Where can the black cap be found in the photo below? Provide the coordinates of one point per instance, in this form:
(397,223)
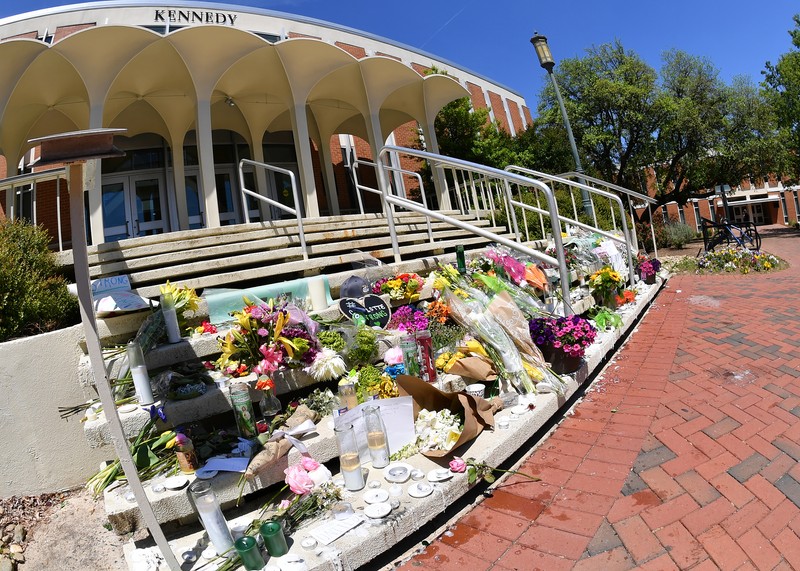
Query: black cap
(354,286)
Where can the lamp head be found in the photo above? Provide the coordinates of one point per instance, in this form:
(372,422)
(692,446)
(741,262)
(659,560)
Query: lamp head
(543,51)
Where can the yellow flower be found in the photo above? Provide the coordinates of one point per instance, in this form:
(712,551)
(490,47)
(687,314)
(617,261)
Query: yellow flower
(474,346)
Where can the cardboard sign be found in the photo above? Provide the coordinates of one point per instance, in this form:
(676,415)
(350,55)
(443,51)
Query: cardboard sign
(372,308)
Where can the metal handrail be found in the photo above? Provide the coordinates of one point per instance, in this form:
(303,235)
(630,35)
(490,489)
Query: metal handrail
(611,197)
(32,179)
(360,187)
(440,161)
(631,193)
(294,211)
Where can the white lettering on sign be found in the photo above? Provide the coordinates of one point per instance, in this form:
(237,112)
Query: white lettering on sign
(194,17)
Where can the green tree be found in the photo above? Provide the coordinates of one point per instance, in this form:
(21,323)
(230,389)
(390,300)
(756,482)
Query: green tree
(782,84)
(610,96)
(691,113)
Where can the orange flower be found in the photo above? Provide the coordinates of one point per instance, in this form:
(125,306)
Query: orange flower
(264,382)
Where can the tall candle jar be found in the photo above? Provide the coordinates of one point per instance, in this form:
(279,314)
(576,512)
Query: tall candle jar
(243,410)
(205,501)
(376,437)
(167,305)
(141,378)
(349,462)
(348,396)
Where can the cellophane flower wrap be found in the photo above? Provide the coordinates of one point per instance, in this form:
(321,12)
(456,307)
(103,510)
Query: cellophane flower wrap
(478,320)
(266,337)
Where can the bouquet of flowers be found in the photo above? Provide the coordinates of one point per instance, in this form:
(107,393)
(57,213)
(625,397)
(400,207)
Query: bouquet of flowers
(497,260)
(406,318)
(605,282)
(570,257)
(647,268)
(628,296)
(266,337)
(572,335)
(401,287)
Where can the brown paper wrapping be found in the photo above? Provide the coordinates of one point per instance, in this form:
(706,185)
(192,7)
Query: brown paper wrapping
(274,451)
(478,368)
(478,413)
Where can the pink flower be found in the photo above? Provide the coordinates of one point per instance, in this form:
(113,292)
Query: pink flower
(393,356)
(284,505)
(458,465)
(298,480)
(308,463)
(271,361)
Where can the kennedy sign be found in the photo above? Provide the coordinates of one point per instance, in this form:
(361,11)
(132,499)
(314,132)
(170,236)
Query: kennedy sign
(195,17)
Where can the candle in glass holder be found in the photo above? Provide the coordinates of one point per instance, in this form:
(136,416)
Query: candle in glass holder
(348,396)
(376,437)
(141,378)
(274,540)
(247,548)
(167,304)
(211,516)
(349,462)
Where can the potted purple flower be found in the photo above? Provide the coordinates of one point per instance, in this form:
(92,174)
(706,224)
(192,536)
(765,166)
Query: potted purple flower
(563,340)
(648,270)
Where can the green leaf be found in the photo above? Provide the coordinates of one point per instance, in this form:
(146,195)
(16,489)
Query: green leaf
(145,457)
(489,477)
(472,475)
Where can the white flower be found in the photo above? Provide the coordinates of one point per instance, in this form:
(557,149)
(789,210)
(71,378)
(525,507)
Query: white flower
(327,365)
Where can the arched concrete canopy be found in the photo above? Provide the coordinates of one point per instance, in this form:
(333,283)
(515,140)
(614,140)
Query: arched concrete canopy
(131,77)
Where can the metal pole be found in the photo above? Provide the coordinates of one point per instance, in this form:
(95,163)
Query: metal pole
(81,263)
(587,201)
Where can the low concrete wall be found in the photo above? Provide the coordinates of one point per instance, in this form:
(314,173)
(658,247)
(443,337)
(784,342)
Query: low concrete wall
(40,451)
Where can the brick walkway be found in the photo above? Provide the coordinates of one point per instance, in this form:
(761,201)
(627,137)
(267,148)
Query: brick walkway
(683,455)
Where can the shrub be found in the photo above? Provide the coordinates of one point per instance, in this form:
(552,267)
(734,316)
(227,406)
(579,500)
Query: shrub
(678,234)
(33,295)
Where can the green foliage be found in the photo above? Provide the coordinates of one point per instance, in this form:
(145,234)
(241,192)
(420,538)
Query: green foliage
(678,234)
(732,260)
(332,340)
(364,348)
(782,83)
(33,295)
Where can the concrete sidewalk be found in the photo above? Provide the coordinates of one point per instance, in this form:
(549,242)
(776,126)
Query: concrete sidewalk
(682,455)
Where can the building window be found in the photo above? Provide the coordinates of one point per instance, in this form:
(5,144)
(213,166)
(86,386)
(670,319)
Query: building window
(712,209)
(681,214)
(47,37)
(697,214)
(664,215)
(796,206)
(785,211)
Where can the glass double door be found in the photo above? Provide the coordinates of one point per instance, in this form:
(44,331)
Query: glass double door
(134,205)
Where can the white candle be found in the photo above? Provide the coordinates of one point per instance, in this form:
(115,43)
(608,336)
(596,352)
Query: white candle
(215,524)
(171,321)
(141,382)
(316,289)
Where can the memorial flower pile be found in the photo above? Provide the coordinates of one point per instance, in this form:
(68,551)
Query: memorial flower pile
(407,318)
(605,282)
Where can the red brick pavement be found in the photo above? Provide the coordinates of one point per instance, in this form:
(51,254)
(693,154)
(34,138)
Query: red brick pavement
(682,455)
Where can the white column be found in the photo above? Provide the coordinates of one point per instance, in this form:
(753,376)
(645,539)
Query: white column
(439,182)
(302,147)
(179,184)
(330,177)
(93,182)
(205,151)
(261,178)
(11,170)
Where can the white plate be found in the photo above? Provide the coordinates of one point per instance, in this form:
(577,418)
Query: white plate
(439,475)
(394,472)
(204,474)
(176,482)
(126,408)
(376,496)
(420,490)
(377,511)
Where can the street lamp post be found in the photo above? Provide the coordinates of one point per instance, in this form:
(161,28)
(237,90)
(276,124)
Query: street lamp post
(548,63)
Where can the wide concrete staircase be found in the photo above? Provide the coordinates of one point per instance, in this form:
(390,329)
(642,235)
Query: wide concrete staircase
(246,255)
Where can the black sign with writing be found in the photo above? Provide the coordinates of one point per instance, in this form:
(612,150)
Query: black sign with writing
(374,310)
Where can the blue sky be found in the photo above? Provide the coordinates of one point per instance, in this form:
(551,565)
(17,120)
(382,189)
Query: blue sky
(493,37)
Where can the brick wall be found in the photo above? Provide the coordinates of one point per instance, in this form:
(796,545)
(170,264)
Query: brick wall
(527,112)
(64,31)
(516,118)
(476,94)
(499,111)
(355,51)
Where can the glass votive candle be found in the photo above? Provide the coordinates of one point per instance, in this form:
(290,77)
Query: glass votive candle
(247,548)
(274,540)
(503,423)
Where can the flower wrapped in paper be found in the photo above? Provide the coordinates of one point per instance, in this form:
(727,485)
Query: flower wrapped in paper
(476,413)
